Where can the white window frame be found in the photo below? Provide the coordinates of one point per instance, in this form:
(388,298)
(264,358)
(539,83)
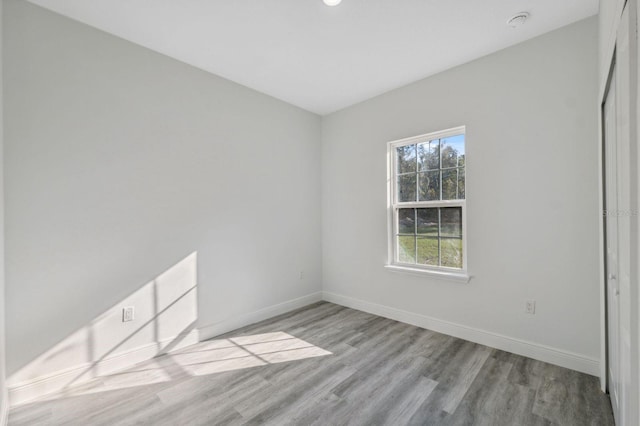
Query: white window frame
(393,207)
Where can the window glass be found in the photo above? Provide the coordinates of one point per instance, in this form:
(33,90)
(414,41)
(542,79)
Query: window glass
(430,174)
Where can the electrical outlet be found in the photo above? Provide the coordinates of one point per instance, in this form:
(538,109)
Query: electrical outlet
(128,314)
(530,307)
(301,275)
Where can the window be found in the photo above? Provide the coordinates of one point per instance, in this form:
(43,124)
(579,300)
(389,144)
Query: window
(427,202)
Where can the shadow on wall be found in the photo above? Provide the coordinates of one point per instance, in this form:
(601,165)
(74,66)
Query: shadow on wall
(166,313)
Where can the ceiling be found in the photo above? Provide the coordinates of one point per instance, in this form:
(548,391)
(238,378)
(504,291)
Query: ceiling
(317,57)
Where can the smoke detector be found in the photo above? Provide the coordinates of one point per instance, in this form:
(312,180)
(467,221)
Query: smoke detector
(518,19)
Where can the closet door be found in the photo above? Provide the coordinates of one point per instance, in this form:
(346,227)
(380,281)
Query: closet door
(617,163)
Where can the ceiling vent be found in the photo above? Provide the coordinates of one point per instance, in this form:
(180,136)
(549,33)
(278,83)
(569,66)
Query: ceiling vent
(518,19)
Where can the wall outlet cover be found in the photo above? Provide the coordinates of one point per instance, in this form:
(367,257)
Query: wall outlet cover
(128,314)
(530,307)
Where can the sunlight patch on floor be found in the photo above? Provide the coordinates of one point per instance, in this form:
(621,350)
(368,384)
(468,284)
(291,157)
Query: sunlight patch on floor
(201,359)
(245,351)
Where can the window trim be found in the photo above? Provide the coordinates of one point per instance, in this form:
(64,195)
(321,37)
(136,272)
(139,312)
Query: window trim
(393,265)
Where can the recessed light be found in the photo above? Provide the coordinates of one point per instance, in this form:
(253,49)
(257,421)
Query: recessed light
(332,2)
(518,19)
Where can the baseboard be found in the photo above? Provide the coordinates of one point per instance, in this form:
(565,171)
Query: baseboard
(22,392)
(227,325)
(537,351)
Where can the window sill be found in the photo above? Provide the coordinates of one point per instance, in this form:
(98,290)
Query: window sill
(445,275)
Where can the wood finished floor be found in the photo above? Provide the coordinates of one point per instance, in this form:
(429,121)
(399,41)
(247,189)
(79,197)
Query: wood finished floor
(330,365)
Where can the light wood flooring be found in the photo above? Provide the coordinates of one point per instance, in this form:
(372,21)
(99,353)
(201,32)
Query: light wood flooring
(330,365)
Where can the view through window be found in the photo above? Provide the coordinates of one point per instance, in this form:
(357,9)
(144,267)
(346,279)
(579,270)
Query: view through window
(427,199)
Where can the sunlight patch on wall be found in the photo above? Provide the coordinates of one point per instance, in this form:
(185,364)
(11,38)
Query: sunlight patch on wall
(166,313)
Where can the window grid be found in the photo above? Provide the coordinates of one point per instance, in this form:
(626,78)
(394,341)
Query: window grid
(417,235)
(422,169)
(418,173)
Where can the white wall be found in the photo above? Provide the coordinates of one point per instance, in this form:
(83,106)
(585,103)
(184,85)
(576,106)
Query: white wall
(3,388)
(532,188)
(120,163)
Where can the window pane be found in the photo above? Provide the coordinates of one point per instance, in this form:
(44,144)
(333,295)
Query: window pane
(461,181)
(452,151)
(407,188)
(451,184)
(451,252)
(428,251)
(406,158)
(429,155)
(461,160)
(451,222)
(407,221)
(407,249)
(429,186)
(428,222)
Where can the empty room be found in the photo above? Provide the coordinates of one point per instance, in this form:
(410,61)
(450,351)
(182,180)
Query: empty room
(319,212)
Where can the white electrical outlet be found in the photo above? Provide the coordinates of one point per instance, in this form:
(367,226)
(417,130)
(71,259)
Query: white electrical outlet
(128,314)
(530,307)
(301,275)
